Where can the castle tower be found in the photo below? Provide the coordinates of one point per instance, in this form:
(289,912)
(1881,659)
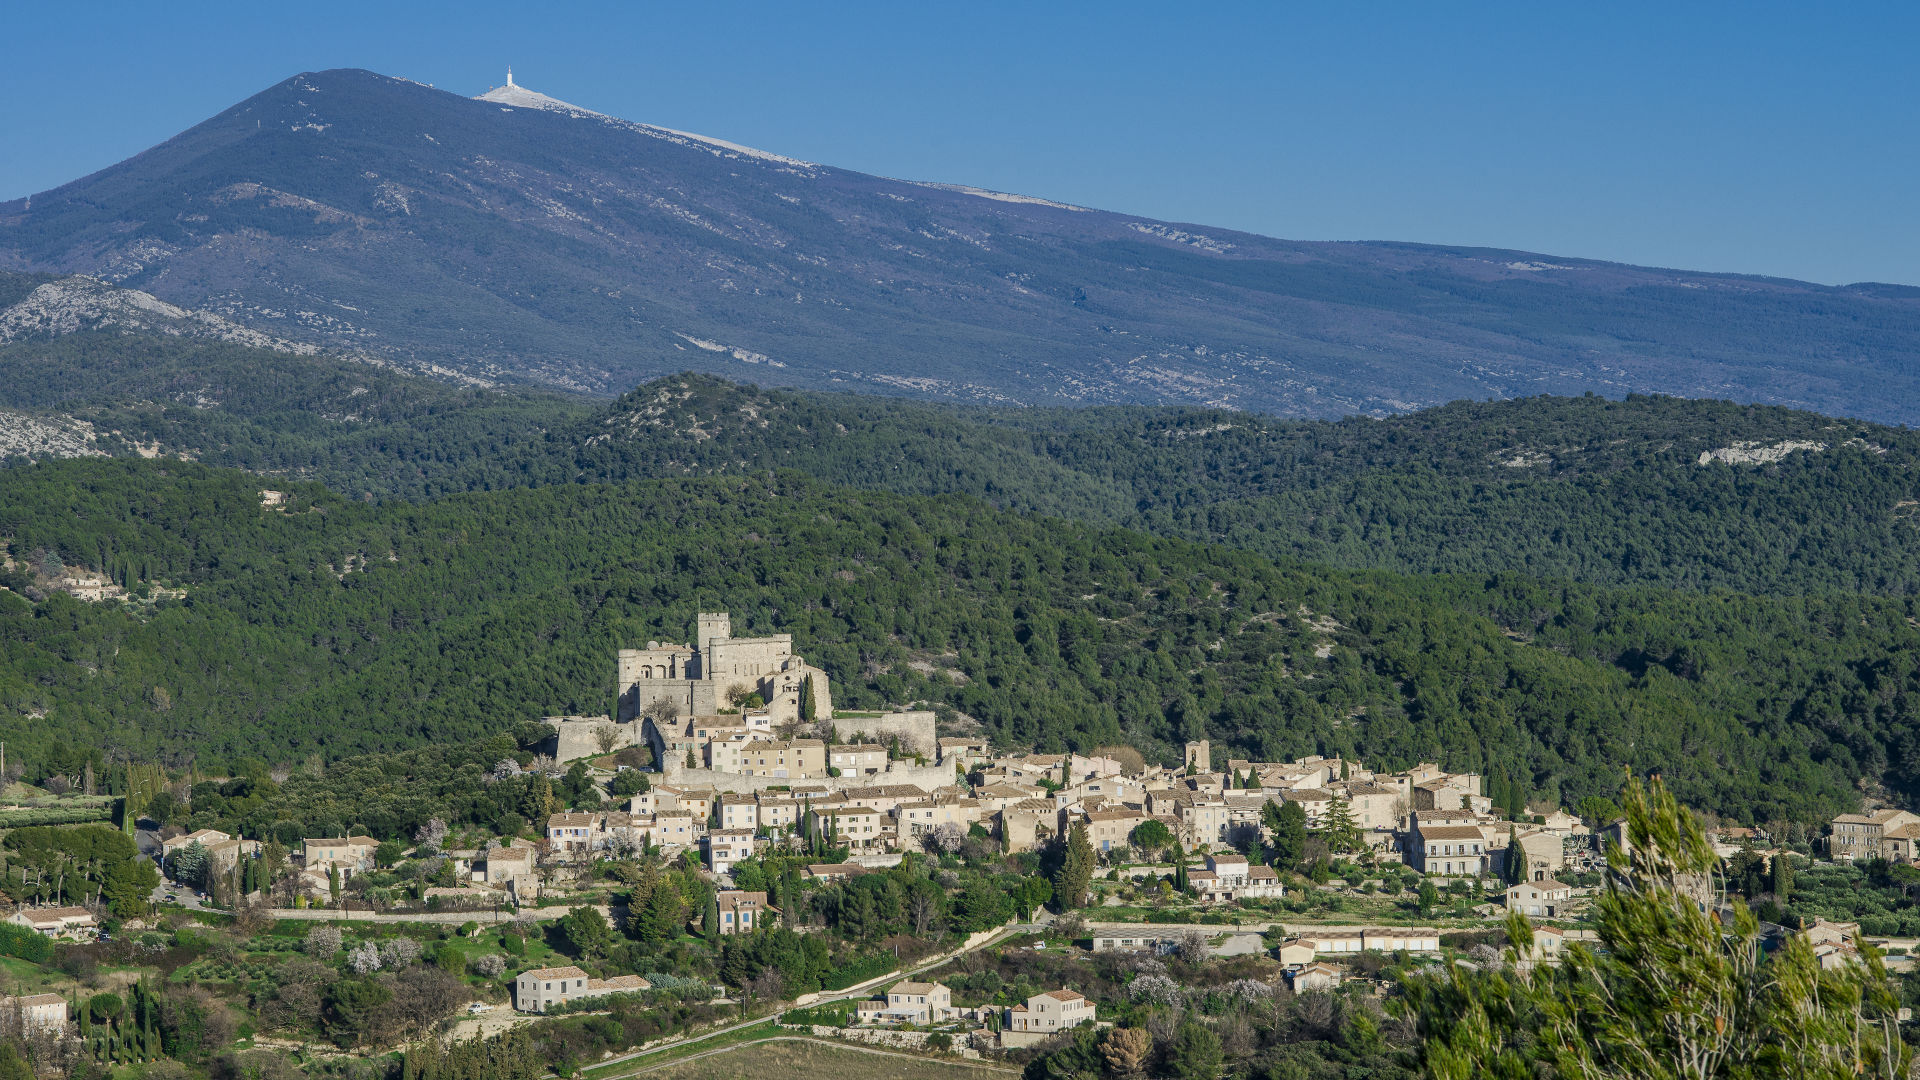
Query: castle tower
(710,626)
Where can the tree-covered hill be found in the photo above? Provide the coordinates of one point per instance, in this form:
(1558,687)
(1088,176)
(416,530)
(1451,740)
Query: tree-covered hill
(332,625)
(364,430)
(1585,489)
(1610,492)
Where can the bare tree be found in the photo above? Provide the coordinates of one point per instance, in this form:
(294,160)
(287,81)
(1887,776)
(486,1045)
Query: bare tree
(1193,947)
(921,909)
(606,737)
(433,832)
(945,838)
(661,711)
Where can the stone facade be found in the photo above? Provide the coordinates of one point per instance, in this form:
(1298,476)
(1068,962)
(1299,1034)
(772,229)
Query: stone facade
(703,678)
(913,727)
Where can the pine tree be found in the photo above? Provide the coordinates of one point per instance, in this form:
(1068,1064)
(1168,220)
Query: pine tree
(1338,828)
(1674,988)
(1287,822)
(806,700)
(1516,868)
(1782,877)
(710,920)
(1179,868)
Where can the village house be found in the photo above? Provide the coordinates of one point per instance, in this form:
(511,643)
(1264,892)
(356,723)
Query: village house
(918,819)
(1314,977)
(994,798)
(1229,877)
(1542,853)
(36,1013)
(1045,1015)
(1295,953)
(668,832)
(776,811)
(350,854)
(738,812)
(203,837)
(1374,806)
(907,1002)
(861,828)
(1883,834)
(726,847)
(1130,940)
(1546,899)
(741,912)
(541,989)
(1314,801)
(60,922)
(506,865)
(1458,850)
(963,753)
(1111,830)
(795,759)
(858,759)
(1026,825)
(571,833)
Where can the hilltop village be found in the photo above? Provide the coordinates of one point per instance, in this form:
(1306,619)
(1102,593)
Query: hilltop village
(727,839)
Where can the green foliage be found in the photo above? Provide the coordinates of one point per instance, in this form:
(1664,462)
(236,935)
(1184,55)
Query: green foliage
(25,943)
(343,627)
(1673,990)
(1195,1053)
(1288,824)
(586,932)
(1076,869)
(1152,835)
(89,864)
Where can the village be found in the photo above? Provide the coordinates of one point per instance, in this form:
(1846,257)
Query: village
(726,759)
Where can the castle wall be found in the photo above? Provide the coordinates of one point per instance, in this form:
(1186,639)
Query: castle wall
(914,727)
(927,779)
(577,737)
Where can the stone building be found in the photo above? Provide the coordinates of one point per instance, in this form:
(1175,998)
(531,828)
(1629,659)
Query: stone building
(706,677)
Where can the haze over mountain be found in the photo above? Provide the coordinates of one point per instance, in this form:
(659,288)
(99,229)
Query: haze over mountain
(515,238)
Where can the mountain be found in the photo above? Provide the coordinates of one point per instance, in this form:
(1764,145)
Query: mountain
(517,239)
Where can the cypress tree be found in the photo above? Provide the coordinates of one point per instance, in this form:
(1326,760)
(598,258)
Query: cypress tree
(1076,870)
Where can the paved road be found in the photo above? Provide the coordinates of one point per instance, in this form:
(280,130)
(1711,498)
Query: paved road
(809,1000)
(456,918)
(183,895)
(918,1058)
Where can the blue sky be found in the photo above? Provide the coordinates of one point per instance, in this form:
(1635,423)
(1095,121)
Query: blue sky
(1772,139)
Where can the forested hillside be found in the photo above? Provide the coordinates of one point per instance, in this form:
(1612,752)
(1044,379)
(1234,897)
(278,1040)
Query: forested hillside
(1584,489)
(333,626)
(1610,492)
(360,428)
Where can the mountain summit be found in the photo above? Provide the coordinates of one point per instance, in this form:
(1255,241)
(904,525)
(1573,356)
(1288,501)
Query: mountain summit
(515,237)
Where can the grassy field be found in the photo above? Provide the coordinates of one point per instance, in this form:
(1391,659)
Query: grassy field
(809,1061)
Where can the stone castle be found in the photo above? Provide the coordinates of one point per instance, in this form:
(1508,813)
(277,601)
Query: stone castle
(719,671)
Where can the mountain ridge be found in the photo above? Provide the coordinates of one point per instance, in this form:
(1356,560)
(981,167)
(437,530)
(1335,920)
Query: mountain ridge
(357,212)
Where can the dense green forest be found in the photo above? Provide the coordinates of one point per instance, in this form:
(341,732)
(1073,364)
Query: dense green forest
(1586,489)
(334,626)
(1608,492)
